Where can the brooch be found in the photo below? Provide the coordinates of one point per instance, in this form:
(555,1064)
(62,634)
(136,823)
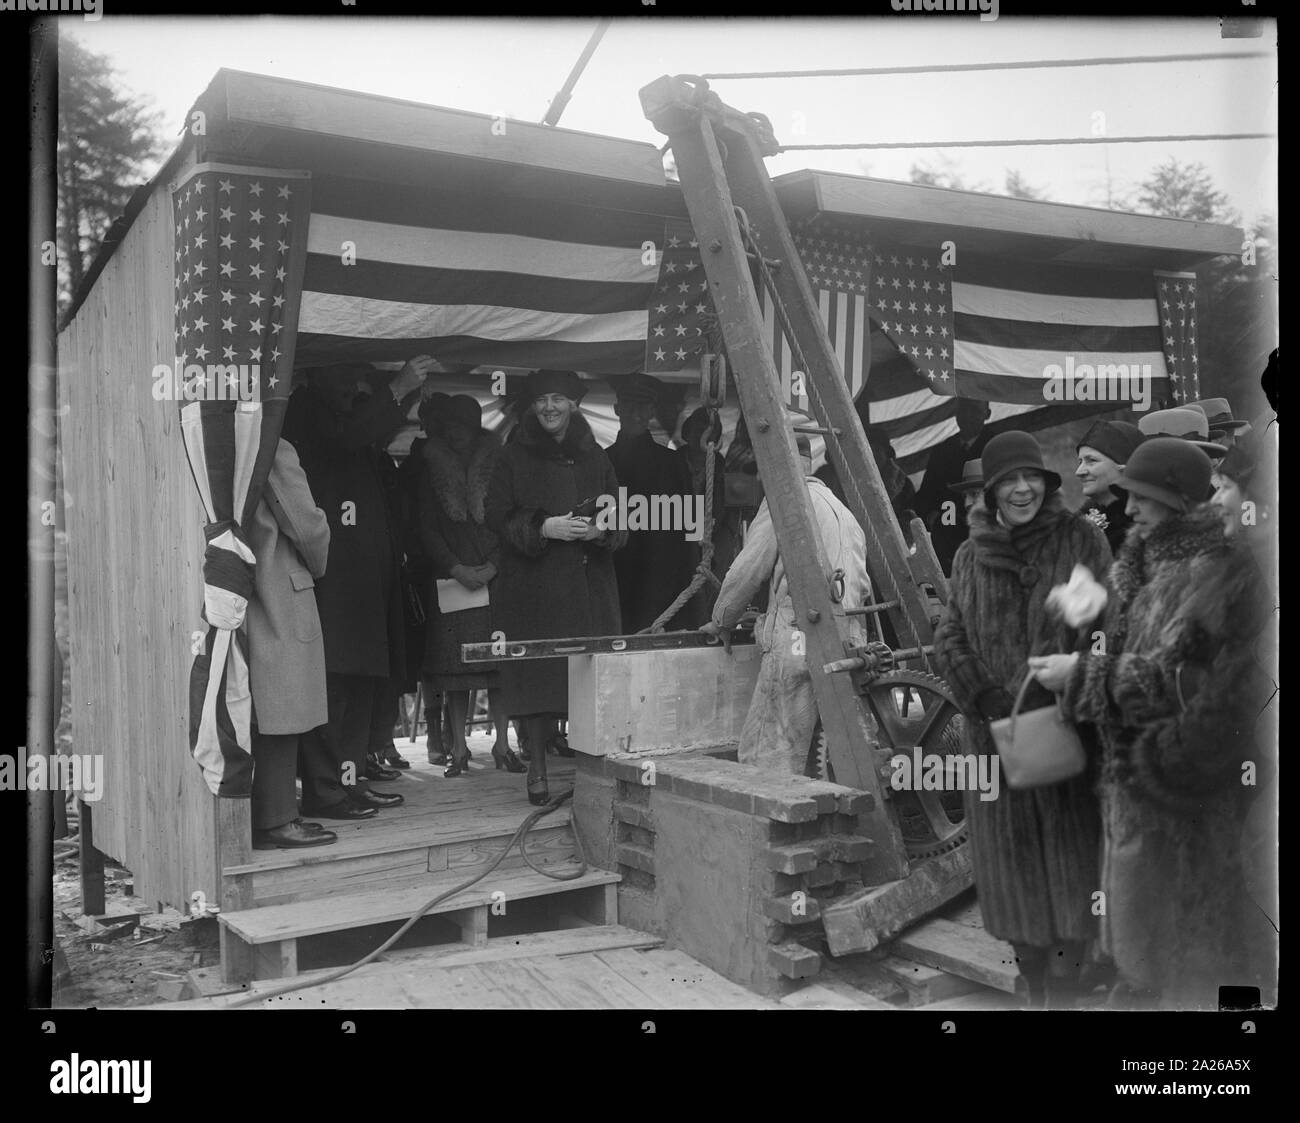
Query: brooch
(1098,518)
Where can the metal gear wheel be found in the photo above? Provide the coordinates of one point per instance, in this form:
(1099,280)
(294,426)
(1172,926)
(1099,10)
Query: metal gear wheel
(915,710)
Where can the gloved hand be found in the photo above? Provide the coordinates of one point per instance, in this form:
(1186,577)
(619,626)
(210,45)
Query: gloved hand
(995,704)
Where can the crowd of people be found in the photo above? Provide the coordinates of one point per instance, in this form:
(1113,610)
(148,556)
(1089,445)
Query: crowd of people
(1157,863)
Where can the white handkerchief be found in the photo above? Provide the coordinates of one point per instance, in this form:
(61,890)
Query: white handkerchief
(454,597)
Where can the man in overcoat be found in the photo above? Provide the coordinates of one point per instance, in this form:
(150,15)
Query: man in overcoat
(290,539)
(359,598)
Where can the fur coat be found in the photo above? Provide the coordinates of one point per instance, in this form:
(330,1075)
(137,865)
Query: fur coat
(1035,851)
(548,589)
(1176,695)
(451,493)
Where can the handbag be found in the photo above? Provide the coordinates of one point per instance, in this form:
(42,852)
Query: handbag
(1039,747)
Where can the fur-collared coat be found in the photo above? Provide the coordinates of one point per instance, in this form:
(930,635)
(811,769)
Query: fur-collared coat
(1176,696)
(451,492)
(547,589)
(1035,851)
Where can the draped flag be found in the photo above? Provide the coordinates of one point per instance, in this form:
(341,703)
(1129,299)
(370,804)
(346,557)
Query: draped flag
(240,242)
(1176,293)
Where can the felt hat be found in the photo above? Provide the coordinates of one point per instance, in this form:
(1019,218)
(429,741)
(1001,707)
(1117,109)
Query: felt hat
(566,382)
(697,424)
(1218,413)
(464,410)
(1009,452)
(972,478)
(1242,462)
(1171,470)
(1189,424)
(1113,439)
(433,408)
(638,388)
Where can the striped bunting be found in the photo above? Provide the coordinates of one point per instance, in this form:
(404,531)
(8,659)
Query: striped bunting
(394,270)
(914,337)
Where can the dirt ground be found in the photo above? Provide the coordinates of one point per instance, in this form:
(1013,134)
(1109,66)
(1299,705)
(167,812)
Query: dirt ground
(143,963)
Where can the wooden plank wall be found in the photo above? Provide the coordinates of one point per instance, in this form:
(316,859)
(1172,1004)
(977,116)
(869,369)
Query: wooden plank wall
(135,545)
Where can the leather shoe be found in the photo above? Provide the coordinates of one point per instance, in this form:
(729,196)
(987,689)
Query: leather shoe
(368,797)
(344,810)
(290,836)
(376,771)
(391,758)
(313,827)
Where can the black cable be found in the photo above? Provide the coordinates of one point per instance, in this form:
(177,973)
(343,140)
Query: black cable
(1031,143)
(520,834)
(1042,64)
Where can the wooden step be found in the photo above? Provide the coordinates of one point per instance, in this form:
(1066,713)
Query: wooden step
(262,942)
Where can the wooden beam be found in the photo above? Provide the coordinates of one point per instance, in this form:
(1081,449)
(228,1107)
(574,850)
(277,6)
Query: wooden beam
(708,198)
(92,864)
(961,950)
(864,920)
(276,103)
(910,202)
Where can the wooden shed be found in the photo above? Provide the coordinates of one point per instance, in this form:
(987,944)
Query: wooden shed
(134,521)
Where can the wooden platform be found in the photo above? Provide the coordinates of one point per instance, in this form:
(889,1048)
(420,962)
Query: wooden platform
(444,826)
(607,967)
(383,870)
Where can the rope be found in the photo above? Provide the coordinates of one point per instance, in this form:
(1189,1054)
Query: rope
(520,834)
(832,440)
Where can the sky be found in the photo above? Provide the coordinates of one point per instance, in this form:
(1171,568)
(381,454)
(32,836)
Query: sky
(514,66)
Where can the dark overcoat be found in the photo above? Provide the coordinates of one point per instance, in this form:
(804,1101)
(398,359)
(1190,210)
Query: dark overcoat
(547,589)
(359,596)
(1176,696)
(655,565)
(1110,517)
(1036,850)
(451,494)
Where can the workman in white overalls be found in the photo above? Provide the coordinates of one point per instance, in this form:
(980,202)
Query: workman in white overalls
(779,726)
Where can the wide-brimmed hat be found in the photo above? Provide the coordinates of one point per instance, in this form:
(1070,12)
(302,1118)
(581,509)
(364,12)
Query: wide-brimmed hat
(1113,439)
(566,382)
(1171,470)
(972,477)
(1187,424)
(1218,414)
(1008,452)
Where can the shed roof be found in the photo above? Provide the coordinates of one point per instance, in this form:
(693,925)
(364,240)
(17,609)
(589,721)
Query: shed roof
(278,122)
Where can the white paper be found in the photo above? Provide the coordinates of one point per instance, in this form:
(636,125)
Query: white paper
(454,597)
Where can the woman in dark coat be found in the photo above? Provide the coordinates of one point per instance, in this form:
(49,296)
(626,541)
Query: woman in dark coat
(1177,696)
(1035,850)
(457,461)
(556,569)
